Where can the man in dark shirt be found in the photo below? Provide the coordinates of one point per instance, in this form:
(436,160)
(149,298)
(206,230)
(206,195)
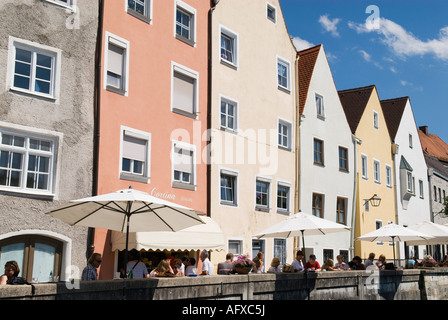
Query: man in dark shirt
(226,267)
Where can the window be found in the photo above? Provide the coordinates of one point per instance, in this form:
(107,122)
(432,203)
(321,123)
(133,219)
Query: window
(184,91)
(64,3)
(317,206)
(375,120)
(283,198)
(34,68)
(141,9)
(341,210)
(410,141)
(185,23)
(376,171)
(283,74)
(271,12)
(435,194)
(364,166)
(328,254)
(135,155)
(388,176)
(284,134)
(440,196)
(318,152)
(117,64)
(228,114)
(280,250)
(343,159)
(229,47)
(27,162)
(183,161)
(409,182)
(262,194)
(420,186)
(228,183)
(378,225)
(235,246)
(320,106)
(37,256)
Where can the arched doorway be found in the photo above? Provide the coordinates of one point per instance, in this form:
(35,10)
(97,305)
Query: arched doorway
(38,256)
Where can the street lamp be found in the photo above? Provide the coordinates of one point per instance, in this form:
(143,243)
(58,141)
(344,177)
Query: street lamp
(375,201)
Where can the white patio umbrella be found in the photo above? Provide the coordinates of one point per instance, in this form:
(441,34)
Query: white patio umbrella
(438,231)
(301,224)
(127,211)
(393,232)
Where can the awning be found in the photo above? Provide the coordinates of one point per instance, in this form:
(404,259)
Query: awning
(206,236)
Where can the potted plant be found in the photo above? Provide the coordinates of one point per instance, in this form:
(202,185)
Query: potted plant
(428,261)
(243,264)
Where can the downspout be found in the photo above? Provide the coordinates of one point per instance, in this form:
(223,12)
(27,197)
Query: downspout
(297,198)
(394,153)
(97,103)
(355,141)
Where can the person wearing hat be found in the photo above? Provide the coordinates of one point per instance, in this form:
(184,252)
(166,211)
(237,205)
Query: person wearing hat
(297,264)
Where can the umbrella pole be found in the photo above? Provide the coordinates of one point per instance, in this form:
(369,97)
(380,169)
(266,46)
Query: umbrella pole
(128,215)
(393,244)
(303,243)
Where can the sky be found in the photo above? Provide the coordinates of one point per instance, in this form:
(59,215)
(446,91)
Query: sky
(399,46)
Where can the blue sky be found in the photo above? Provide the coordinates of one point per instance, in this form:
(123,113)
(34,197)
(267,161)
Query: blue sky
(405,55)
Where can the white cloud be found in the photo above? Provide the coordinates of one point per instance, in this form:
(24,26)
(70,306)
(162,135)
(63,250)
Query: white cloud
(301,44)
(330,25)
(365,55)
(393,69)
(405,44)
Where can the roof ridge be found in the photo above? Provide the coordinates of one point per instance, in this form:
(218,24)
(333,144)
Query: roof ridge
(309,50)
(395,99)
(357,89)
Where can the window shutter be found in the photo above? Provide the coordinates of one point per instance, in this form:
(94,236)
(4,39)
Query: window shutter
(183,160)
(115,59)
(183,92)
(134,149)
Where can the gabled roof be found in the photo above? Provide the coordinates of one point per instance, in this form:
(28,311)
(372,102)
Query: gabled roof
(393,111)
(307,61)
(433,162)
(354,102)
(433,145)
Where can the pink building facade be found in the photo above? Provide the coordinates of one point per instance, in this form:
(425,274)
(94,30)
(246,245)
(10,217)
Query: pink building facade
(152,104)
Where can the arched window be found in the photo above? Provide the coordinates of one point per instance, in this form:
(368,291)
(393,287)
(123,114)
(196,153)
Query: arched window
(37,256)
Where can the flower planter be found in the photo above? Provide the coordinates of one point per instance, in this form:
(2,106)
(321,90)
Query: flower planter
(243,270)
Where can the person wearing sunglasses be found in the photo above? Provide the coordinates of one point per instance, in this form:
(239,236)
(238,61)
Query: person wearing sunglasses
(12,270)
(90,271)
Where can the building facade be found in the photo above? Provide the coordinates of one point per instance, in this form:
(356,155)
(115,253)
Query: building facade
(47,68)
(153,105)
(326,164)
(252,127)
(412,190)
(375,163)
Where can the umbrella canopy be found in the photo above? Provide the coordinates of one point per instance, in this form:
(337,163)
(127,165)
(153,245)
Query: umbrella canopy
(302,224)
(438,231)
(393,232)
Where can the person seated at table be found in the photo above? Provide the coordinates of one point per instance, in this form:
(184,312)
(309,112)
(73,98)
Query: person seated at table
(312,265)
(275,263)
(163,270)
(341,265)
(356,264)
(329,266)
(381,262)
(190,269)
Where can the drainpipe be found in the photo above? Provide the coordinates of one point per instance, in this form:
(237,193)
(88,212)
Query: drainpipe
(355,141)
(396,193)
(96,138)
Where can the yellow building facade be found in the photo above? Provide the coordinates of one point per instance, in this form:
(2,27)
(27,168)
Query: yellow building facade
(375,169)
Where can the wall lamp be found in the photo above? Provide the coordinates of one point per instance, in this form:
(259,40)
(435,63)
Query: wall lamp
(375,201)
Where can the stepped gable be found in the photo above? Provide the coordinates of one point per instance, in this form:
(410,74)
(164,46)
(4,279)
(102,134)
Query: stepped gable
(354,102)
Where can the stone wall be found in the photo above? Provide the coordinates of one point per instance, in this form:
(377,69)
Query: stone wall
(354,285)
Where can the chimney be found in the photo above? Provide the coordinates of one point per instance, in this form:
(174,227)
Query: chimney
(424,129)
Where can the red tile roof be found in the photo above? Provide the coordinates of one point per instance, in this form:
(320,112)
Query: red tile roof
(307,61)
(393,111)
(354,102)
(433,145)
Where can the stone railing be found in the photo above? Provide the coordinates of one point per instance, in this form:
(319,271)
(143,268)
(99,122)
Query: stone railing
(428,284)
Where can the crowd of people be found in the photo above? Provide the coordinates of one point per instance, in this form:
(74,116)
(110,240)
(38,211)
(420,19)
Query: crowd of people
(186,266)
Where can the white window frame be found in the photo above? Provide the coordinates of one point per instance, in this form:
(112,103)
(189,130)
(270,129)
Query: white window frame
(389,176)
(234,37)
(364,166)
(285,184)
(141,135)
(269,5)
(375,119)
(233,102)
(421,191)
(234,174)
(289,134)
(125,45)
(287,64)
(56,139)
(70,5)
(54,53)
(410,182)
(190,73)
(320,110)
(379,243)
(146,17)
(189,10)
(268,181)
(376,171)
(411,144)
(191,148)
(241,243)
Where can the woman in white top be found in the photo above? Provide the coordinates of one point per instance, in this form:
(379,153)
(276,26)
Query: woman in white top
(275,263)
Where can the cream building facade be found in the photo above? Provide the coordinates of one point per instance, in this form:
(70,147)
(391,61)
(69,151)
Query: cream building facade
(252,131)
